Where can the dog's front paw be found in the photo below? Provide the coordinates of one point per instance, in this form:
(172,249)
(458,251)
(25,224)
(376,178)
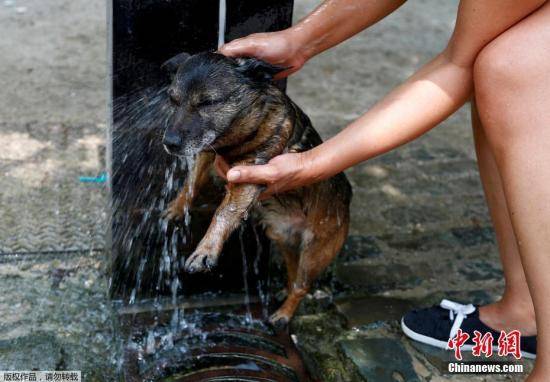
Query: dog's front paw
(174,211)
(201,261)
(279,320)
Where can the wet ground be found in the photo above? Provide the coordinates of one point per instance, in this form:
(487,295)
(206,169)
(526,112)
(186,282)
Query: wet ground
(420,229)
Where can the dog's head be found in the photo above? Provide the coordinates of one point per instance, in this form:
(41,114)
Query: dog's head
(210,93)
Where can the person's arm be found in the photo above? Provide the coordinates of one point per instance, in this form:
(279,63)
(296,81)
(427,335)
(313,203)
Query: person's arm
(432,94)
(328,25)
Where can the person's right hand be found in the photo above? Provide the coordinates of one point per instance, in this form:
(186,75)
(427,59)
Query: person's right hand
(278,48)
(282,173)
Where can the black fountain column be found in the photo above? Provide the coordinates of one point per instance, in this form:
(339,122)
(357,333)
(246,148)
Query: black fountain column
(144,34)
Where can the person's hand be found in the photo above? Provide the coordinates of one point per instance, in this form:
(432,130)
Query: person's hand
(278,48)
(282,173)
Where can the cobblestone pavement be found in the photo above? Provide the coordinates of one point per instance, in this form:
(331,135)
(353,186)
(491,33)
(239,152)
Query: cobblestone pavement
(420,228)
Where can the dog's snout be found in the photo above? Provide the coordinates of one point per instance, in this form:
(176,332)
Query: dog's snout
(174,95)
(172,141)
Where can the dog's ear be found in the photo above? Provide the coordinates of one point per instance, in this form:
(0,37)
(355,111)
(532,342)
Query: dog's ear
(257,69)
(171,66)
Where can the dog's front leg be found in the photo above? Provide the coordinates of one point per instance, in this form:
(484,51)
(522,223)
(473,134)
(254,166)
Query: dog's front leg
(234,207)
(196,179)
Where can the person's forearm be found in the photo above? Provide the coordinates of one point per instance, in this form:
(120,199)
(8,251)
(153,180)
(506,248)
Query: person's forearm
(337,20)
(426,99)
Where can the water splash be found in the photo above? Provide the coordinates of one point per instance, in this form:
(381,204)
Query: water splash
(147,246)
(190,164)
(262,286)
(248,315)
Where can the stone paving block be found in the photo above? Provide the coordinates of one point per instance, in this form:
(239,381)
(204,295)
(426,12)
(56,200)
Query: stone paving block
(479,269)
(315,337)
(426,187)
(470,236)
(440,240)
(421,154)
(316,302)
(379,277)
(359,247)
(439,358)
(44,206)
(444,151)
(459,167)
(415,214)
(55,312)
(379,359)
(371,176)
(36,351)
(476,297)
(361,311)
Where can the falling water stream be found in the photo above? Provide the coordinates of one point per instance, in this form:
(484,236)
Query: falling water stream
(169,330)
(166,344)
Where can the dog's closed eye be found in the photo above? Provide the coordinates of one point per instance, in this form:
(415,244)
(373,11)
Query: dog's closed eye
(208,102)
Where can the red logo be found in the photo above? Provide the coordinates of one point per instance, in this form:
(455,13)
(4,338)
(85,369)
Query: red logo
(508,344)
(457,342)
(483,344)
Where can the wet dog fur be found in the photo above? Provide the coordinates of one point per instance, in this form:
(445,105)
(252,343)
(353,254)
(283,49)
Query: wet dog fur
(231,107)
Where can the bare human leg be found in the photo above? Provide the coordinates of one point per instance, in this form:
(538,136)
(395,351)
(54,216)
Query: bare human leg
(515,309)
(512,84)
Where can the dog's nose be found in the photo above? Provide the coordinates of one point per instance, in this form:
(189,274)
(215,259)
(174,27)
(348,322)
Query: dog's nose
(174,95)
(173,142)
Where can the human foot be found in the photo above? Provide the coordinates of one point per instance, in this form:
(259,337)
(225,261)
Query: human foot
(436,325)
(506,316)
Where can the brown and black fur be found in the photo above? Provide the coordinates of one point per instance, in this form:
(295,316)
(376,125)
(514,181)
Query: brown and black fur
(230,106)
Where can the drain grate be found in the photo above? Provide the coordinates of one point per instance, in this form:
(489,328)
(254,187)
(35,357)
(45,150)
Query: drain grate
(247,340)
(207,346)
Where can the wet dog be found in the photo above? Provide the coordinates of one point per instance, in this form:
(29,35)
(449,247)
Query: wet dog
(231,107)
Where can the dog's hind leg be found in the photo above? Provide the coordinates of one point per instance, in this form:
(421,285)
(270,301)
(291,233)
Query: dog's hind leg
(317,254)
(196,178)
(290,251)
(291,261)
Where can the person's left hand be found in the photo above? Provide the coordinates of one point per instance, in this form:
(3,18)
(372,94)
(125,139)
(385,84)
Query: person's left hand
(283,173)
(278,48)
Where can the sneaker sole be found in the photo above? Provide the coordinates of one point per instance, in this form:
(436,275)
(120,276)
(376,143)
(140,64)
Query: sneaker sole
(443,344)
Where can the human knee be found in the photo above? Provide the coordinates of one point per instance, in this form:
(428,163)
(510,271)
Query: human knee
(501,74)
(498,70)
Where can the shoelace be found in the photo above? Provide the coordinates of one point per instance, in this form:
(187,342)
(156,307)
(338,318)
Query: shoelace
(457,312)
